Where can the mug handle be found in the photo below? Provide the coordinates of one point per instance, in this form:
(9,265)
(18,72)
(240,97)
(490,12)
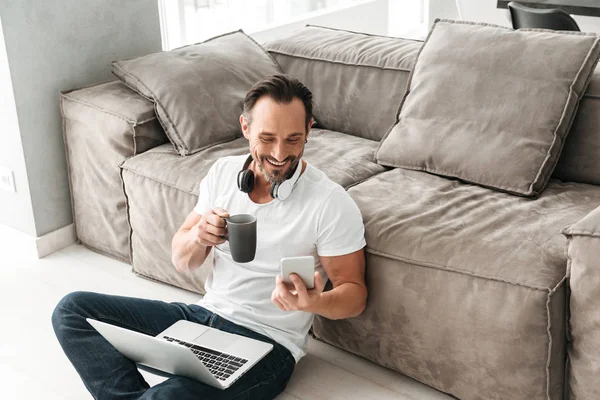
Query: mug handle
(226,219)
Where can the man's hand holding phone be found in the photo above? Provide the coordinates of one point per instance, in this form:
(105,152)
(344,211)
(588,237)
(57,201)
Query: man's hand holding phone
(291,292)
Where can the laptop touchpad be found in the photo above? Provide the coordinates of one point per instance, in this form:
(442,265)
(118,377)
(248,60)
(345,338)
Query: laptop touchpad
(215,339)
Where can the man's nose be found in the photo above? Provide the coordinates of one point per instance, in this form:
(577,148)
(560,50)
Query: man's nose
(279,152)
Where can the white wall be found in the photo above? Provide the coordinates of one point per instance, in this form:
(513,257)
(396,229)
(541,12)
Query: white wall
(15,208)
(186,25)
(371,17)
(407,18)
(52,46)
(486,11)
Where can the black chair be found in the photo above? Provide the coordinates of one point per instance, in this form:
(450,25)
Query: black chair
(527,17)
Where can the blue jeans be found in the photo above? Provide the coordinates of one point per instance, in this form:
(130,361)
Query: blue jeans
(108,374)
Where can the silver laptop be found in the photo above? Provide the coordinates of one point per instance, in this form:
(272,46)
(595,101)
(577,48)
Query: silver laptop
(188,349)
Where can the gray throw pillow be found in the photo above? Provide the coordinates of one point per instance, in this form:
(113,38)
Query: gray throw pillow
(198,90)
(490,105)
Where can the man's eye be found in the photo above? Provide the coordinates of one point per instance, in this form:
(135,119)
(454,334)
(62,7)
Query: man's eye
(293,141)
(266,140)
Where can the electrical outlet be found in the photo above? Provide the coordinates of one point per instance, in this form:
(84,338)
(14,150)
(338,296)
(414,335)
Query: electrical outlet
(7,180)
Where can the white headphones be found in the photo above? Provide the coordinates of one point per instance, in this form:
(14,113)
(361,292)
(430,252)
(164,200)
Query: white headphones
(281,191)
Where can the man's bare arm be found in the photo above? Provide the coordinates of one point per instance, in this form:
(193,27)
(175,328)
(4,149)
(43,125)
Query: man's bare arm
(348,298)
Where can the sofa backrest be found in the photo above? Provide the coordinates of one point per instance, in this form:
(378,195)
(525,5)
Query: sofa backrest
(580,157)
(357,80)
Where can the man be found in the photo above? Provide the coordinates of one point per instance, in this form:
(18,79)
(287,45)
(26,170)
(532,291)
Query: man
(318,218)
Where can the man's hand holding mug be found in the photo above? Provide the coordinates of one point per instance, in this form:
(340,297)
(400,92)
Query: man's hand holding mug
(212,228)
(217,226)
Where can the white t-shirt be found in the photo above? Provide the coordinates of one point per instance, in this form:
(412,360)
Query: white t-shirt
(319,218)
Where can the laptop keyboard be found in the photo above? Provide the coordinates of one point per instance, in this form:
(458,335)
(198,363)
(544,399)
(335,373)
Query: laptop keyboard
(221,365)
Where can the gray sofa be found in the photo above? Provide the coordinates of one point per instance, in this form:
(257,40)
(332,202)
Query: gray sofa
(469,289)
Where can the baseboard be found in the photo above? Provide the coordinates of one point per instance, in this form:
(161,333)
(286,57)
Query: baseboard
(55,240)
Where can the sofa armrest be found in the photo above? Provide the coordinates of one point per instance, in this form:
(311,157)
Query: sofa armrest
(583,252)
(103,125)
(587,226)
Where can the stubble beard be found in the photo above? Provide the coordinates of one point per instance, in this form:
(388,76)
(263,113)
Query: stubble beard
(278,177)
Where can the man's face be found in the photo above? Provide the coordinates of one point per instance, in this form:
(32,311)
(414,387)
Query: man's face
(276,134)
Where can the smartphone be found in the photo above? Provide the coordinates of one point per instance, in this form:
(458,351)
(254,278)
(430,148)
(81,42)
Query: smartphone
(303,266)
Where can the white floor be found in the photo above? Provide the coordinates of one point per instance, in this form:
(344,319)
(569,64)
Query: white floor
(33,366)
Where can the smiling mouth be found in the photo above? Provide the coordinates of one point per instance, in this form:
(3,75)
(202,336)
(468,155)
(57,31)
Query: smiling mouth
(277,165)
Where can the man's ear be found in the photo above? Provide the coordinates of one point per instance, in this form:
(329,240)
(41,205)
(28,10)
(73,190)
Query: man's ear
(310,124)
(245,127)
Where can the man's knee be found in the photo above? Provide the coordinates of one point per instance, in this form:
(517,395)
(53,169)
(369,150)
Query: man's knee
(68,306)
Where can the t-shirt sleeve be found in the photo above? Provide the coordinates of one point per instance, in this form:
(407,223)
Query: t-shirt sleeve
(207,190)
(340,228)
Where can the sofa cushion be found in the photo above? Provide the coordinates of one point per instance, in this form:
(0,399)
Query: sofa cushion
(579,158)
(465,228)
(199,90)
(357,80)
(466,285)
(497,117)
(162,189)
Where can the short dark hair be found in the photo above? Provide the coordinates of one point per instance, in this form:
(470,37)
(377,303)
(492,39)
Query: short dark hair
(281,88)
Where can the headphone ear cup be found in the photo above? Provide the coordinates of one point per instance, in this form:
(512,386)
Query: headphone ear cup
(246,181)
(284,189)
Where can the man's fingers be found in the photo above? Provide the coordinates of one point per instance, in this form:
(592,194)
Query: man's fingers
(209,240)
(215,220)
(208,235)
(286,298)
(276,301)
(280,287)
(216,231)
(212,230)
(319,283)
(286,305)
(220,212)
(283,295)
(298,285)
(284,285)
(279,305)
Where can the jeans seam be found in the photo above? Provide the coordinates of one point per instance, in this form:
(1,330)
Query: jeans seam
(130,325)
(211,321)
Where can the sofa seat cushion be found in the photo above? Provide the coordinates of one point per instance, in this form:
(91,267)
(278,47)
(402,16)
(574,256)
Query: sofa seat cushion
(466,285)
(444,223)
(162,188)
